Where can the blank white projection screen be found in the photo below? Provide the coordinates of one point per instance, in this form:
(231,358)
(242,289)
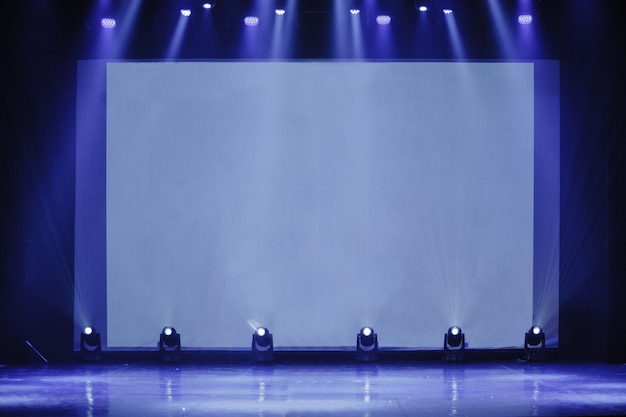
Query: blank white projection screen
(318,197)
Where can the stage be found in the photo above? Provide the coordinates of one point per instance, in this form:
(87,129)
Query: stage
(427,388)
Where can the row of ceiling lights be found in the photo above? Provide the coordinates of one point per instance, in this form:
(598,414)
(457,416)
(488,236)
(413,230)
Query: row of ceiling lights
(110,23)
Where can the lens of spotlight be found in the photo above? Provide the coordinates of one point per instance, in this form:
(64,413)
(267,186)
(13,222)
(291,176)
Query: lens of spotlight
(536,329)
(251,20)
(455,330)
(167,331)
(260,331)
(108,23)
(366,331)
(524,19)
(383,19)
(88,330)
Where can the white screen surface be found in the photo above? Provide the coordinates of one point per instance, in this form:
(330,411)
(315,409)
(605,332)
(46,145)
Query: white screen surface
(318,197)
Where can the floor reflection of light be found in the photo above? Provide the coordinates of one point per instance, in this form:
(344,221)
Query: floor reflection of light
(168,390)
(367,390)
(535,398)
(261,390)
(89,397)
(454,385)
(535,390)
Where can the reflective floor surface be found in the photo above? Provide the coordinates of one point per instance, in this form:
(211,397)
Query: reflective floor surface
(338,389)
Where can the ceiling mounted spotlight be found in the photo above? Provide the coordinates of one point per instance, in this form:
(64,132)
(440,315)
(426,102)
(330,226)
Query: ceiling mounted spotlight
(383,19)
(185,12)
(420,5)
(208,5)
(524,19)
(108,22)
(354,12)
(251,21)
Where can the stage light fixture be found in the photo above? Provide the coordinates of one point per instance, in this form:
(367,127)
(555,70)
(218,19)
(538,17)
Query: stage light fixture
(90,344)
(169,345)
(262,345)
(207,5)
(421,5)
(251,21)
(366,345)
(447,11)
(354,12)
(383,19)
(454,344)
(524,19)
(185,12)
(534,344)
(108,23)
(279,12)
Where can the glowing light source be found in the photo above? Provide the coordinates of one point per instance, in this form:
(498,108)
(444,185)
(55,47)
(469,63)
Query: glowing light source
(354,11)
(534,344)
(208,5)
(454,344)
(447,11)
(90,344)
(169,345)
(262,345)
(383,19)
(185,12)
(279,12)
(251,20)
(524,19)
(366,345)
(108,23)
(423,8)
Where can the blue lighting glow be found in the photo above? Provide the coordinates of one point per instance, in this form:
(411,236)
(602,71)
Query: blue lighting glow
(185,12)
(423,8)
(447,11)
(279,12)
(354,11)
(207,6)
(383,19)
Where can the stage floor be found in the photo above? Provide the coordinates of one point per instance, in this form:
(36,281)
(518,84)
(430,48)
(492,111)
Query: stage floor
(319,389)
